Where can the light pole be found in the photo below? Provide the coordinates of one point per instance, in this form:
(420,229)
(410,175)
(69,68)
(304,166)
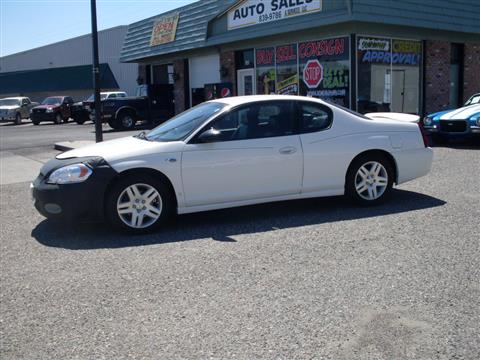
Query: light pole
(96,73)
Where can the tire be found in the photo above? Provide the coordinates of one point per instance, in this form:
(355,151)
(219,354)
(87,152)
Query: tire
(58,118)
(36,122)
(80,121)
(113,124)
(126,120)
(18,119)
(138,217)
(65,120)
(369,180)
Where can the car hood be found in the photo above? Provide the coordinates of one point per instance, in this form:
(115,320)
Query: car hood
(462,113)
(9,107)
(46,106)
(123,148)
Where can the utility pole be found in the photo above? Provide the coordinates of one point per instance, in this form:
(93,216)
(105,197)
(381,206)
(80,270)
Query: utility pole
(96,73)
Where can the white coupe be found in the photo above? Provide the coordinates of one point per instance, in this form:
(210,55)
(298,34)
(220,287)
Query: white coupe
(233,152)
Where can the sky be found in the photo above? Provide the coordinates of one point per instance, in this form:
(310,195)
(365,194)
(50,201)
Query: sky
(27,24)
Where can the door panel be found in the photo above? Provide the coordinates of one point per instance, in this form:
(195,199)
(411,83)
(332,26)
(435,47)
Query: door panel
(242,170)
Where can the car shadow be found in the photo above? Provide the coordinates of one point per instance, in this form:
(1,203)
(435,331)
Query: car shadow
(222,225)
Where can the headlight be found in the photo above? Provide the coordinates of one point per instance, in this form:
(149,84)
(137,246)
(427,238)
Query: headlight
(70,174)
(476,119)
(49,110)
(427,121)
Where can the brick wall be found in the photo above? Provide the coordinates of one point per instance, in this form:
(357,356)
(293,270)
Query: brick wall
(437,76)
(471,82)
(227,62)
(179,86)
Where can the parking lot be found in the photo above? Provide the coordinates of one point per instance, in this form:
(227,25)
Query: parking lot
(309,279)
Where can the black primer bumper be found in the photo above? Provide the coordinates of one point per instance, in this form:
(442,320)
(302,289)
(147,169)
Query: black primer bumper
(83,200)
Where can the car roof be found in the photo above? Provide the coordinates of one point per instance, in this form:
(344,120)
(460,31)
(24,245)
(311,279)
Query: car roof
(239,100)
(112,92)
(14,98)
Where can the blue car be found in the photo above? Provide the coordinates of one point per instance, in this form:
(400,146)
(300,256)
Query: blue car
(463,122)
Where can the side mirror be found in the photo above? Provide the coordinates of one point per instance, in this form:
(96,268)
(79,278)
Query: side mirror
(209,135)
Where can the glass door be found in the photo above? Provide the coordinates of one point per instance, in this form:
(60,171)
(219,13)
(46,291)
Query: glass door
(246,82)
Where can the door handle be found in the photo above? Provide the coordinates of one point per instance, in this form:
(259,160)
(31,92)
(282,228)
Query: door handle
(287,150)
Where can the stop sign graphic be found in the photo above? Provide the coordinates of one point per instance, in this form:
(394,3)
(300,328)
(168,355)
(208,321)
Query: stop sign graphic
(312,73)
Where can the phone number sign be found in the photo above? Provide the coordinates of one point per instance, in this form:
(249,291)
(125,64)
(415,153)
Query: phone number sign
(253,12)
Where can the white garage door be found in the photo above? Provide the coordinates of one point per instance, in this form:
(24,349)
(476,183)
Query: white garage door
(204,70)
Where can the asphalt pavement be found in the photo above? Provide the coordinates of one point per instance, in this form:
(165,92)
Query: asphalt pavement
(310,279)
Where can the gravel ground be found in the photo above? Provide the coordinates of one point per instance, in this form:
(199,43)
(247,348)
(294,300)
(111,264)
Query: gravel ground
(313,279)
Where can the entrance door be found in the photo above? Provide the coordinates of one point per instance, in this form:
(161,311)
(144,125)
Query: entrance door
(246,82)
(398,91)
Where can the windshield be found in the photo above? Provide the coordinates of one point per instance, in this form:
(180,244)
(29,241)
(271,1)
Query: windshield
(102,97)
(475,99)
(185,123)
(9,102)
(52,101)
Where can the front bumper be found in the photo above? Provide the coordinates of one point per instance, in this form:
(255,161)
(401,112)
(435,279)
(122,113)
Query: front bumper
(83,201)
(470,130)
(42,116)
(7,117)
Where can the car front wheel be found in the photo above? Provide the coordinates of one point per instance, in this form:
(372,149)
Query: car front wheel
(138,204)
(369,180)
(58,118)
(18,119)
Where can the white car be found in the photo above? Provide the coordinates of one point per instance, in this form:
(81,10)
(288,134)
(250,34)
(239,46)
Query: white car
(232,152)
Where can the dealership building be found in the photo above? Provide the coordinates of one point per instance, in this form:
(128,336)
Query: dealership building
(65,68)
(415,56)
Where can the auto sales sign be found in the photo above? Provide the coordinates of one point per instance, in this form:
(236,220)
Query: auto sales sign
(253,12)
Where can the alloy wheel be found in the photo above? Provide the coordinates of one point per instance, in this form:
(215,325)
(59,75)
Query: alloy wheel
(139,206)
(127,121)
(371,180)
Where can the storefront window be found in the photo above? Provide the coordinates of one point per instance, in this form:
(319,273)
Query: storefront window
(388,75)
(265,68)
(287,70)
(324,69)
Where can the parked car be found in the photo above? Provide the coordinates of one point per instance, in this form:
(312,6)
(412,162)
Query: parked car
(15,109)
(458,123)
(152,103)
(474,99)
(81,110)
(233,152)
(53,108)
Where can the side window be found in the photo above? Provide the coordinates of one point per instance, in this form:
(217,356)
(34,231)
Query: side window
(314,117)
(257,120)
(25,102)
(112,96)
(122,95)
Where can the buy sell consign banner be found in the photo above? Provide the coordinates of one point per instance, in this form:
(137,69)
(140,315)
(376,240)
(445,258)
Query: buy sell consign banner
(252,12)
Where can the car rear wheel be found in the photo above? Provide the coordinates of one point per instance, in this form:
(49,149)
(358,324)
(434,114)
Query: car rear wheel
(58,118)
(369,180)
(126,120)
(138,204)
(18,119)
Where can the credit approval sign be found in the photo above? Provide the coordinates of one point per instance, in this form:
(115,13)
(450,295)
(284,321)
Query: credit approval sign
(252,12)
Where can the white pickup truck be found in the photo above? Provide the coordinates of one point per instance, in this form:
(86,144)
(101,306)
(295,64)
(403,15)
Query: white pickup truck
(15,109)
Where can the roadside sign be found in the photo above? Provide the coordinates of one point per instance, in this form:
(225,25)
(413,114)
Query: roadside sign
(312,73)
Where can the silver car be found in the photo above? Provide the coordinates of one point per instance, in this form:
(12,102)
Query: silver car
(15,109)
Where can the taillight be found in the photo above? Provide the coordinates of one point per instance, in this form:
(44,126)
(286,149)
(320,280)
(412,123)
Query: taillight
(424,134)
